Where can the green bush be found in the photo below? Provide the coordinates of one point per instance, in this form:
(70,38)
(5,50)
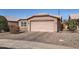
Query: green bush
(3,24)
(72,25)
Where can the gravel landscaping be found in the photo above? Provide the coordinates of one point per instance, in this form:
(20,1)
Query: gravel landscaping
(62,38)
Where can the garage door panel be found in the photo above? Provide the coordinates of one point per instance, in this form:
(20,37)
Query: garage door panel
(47,26)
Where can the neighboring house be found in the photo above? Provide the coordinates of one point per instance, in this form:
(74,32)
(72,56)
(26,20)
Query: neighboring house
(44,23)
(12,20)
(22,23)
(12,23)
(64,26)
(76,18)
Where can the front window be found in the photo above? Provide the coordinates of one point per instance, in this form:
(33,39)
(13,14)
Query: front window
(23,24)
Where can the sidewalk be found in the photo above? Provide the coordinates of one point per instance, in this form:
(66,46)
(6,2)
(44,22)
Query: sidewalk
(19,44)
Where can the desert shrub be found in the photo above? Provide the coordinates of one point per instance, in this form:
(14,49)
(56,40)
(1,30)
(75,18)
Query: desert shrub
(72,25)
(3,24)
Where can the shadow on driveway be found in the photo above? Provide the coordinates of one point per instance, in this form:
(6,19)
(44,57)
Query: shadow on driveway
(5,48)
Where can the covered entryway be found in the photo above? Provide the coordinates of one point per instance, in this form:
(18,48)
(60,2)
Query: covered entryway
(43,26)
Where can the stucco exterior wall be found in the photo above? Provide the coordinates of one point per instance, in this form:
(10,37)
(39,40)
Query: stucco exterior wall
(12,25)
(22,28)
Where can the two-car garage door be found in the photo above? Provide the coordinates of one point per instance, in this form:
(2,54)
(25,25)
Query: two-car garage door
(43,26)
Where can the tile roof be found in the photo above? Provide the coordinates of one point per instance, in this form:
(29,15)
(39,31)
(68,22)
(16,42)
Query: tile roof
(74,16)
(40,14)
(44,14)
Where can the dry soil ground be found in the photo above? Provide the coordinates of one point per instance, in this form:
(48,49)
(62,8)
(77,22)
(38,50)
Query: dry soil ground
(64,38)
(21,44)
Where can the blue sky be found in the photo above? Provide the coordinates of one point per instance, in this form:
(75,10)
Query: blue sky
(24,13)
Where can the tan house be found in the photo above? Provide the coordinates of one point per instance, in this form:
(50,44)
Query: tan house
(12,21)
(74,17)
(41,23)
(37,23)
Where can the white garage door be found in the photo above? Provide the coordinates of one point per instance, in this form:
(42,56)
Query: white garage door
(45,26)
